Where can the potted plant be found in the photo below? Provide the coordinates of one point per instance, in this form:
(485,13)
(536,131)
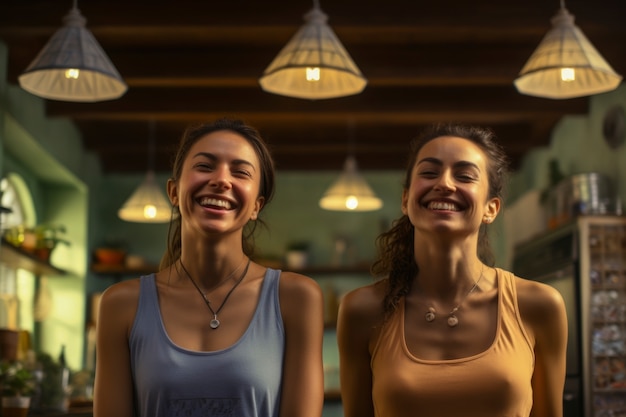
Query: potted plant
(48,236)
(297,255)
(18,384)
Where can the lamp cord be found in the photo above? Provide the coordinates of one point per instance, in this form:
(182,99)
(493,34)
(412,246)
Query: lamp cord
(351,138)
(151,140)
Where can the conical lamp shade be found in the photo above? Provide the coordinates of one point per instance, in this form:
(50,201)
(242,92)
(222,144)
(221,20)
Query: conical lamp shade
(566,65)
(350,192)
(147,204)
(73,67)
(313,65)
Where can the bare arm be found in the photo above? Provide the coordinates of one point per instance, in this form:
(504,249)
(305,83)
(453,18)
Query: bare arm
(302,309)
(113,389)
(543,309)
(359,314)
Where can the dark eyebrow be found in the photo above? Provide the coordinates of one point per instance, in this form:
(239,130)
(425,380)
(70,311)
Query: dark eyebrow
(212,157)
(460,164)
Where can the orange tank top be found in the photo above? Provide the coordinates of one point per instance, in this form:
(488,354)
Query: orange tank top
(494,383)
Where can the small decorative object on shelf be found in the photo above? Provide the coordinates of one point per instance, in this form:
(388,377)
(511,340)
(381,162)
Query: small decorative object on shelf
(109,256)
(297,256)
(54,383)
(18,385)
(39,240)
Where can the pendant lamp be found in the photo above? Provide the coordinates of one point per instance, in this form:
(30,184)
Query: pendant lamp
(73,67)
(148,203)
(565,64)
(350,192)
(314,64)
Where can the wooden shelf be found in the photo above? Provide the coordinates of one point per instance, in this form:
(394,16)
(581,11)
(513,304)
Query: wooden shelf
(18,258)
(332,395)
(327,270)
(121,269)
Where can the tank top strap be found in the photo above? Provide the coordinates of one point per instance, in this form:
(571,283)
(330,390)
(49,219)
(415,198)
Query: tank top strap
(509,308)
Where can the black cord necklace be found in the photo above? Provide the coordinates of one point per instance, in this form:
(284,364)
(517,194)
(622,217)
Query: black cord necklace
(215,323)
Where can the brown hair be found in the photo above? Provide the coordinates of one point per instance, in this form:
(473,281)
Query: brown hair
(266,190)
(396,261)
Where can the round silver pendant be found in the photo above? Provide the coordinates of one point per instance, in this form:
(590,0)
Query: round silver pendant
(430,315)
(453,321)
(215,323)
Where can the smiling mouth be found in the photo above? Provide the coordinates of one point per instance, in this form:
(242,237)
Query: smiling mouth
(441,205)
(218,203)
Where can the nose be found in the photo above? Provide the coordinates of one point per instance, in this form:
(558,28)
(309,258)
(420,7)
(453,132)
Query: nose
(220,178)
(445,182)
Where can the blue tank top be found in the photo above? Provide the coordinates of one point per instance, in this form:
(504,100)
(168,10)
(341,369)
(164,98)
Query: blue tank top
(243,380)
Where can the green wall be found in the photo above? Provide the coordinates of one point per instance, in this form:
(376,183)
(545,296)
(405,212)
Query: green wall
(578,146)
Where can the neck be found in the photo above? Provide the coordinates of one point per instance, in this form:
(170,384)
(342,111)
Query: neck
(210,272)
(446,281)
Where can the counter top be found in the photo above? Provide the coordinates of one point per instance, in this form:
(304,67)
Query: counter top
(73,411)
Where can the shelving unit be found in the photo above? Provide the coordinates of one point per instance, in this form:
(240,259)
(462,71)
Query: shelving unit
(313,271)
(17,258)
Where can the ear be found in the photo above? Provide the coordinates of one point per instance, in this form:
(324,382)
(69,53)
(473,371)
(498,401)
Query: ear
(258,206)
(491,210)
(172,191)
(405,202)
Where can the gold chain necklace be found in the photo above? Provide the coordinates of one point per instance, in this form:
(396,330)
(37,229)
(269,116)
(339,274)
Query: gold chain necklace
(453,320)
(215,323)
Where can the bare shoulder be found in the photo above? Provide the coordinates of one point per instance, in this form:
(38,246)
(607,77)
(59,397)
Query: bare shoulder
(294,284)
(301,301)
(541,306)
(122,291)
(363,304)
(537,298)
(120,297)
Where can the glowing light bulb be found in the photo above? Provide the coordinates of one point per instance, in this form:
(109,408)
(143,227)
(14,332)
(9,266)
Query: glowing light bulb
(72,73)
(149,211)
(352,202)
(313,74)
(567,74)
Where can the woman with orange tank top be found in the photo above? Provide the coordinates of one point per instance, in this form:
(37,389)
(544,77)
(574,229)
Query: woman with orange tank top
(442,332)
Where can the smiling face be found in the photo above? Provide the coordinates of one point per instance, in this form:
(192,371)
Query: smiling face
(449,187)
(218,189)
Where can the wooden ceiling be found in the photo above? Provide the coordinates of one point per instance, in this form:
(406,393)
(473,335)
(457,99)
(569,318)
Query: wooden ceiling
(188,61)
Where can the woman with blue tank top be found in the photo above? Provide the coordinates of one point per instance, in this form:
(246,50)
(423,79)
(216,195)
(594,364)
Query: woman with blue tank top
(212,333)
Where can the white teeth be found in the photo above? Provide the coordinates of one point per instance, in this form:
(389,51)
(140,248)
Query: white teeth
(440,205)
(206,201)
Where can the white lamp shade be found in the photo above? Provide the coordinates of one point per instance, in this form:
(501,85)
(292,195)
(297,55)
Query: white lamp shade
(147,204)
(566,65)
(73,67)
(315,47)
(350,192)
